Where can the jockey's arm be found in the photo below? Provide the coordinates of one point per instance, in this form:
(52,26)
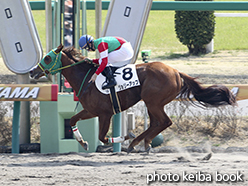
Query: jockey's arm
(103,60)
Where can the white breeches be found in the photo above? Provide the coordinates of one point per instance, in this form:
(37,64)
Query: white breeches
(120,57)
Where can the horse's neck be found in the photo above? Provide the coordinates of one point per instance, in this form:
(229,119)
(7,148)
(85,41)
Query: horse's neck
(74,75)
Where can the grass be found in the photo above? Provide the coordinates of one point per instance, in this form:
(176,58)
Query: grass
(160,37)
(231,33)
(40,21)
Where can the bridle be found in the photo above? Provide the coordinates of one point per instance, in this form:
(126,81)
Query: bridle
(57,63)
(57,67)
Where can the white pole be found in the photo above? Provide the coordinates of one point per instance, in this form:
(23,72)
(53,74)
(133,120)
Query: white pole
(77,24)
(48,7)
(98,21)
(98,14)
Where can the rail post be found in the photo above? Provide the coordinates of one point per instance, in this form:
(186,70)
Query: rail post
(16,127)
(116,131)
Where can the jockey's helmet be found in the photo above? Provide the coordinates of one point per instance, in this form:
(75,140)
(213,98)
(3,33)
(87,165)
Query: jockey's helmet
(84,41)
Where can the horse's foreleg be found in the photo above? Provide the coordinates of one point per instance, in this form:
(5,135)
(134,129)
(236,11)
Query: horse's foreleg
(121,139)
(104,122)
(84,114)
(79,138)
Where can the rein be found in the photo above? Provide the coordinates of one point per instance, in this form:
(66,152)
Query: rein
(61,68)
(83,83)
(57,61)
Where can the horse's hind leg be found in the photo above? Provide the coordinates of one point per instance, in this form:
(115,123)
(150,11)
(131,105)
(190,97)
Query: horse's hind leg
(158,122)
(138,139)
(162,120)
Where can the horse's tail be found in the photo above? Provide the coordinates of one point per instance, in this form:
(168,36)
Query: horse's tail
(214,95)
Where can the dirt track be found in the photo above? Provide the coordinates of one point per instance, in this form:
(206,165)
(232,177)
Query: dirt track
(123,169)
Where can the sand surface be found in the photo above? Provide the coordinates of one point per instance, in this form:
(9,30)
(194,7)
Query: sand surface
(124,169)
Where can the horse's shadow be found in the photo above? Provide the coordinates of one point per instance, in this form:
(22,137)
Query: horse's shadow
(77,162)
(104,159)
(54,160)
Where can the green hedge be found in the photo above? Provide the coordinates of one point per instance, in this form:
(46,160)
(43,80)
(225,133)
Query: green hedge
(195,29)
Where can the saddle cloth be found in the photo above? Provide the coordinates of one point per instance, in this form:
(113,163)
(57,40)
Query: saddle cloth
(126,77)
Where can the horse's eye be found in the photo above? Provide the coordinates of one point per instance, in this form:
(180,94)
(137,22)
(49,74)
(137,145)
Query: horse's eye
(47,59)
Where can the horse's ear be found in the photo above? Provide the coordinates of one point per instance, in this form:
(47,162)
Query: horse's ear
(59,48)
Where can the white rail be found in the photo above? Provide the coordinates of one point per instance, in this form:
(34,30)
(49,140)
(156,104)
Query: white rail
(231,14)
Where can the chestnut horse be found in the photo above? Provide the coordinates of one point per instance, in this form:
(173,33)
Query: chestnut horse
(159,85)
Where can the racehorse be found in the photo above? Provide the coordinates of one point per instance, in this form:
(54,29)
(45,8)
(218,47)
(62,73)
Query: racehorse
(159,85)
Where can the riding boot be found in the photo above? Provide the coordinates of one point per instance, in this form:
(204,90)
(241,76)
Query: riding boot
(110,78)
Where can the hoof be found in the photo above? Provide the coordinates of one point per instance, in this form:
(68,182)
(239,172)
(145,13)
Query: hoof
(84,144)
(207,157)
(148,149)
(131,135)
(130,149)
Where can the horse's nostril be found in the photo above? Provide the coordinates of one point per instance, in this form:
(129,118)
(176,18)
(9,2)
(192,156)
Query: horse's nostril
(31,72)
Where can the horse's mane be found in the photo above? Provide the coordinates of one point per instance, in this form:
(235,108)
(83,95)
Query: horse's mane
(73,54)
(76,56)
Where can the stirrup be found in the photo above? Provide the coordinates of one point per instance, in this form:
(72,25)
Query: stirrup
(108,85)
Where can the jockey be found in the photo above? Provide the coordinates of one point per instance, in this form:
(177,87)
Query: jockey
(112,50)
